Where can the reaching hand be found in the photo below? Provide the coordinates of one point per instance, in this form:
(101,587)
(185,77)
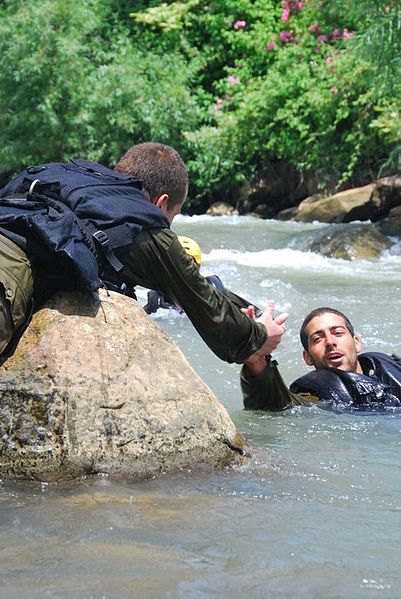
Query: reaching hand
(274,326)
(275,330)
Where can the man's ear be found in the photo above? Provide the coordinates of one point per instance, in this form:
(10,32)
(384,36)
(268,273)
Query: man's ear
(307,358)
(358,343)
(162,202)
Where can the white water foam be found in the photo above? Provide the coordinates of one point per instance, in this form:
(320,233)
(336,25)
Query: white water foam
(288,259)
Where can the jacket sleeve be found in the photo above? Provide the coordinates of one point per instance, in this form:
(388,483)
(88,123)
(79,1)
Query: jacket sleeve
(158,261)
(267,391)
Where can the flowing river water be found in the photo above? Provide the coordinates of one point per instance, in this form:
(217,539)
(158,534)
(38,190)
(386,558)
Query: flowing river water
(316,513)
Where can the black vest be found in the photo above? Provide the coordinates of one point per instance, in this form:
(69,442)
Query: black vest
(78,219)
(379,387)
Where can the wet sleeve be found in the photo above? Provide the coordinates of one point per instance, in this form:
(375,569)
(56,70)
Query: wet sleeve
(159,261)
(267,391)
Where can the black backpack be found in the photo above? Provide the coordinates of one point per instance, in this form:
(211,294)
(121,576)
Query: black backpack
(80,216)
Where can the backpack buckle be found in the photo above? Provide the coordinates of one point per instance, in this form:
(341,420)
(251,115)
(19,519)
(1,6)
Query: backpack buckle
(101,237)
(104,242)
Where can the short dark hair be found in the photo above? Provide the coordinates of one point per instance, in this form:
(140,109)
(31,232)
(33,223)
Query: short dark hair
(160,168)
(318,312)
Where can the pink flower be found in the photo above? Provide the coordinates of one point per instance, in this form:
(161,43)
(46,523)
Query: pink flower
(336,34)
(285,15)
(218,106)
(286,4)
(271,46)
(334,89)
(286,37)
(323,38)
(315,27)
(233,79)
(298,5)
(348,34)
(329,59)
(239,24)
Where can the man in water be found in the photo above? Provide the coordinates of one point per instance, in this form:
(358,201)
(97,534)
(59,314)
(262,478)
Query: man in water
(38,252)
(343,377)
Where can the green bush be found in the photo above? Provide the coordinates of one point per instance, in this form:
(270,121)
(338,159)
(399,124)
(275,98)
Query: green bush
(233,84)
(74,82)
(302,91)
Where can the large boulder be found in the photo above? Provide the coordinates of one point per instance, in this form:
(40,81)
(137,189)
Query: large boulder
(276,187)
(371,202)
(332,209)
(96,386)
(385,197)
(221,209)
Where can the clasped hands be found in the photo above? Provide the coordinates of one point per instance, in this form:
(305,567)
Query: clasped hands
(275,329)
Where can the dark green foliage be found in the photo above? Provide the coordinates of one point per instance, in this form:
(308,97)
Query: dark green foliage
(73,82)
(232,84)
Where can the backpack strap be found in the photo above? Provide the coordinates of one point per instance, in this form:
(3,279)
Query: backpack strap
(386,368)
(103,243)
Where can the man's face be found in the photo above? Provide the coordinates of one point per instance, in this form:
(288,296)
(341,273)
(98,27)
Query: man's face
(331,345)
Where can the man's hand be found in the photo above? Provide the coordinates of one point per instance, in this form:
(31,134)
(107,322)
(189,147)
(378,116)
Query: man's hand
(274,326)
(275,329)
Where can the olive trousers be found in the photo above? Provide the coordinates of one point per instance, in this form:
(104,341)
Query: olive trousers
(16,289)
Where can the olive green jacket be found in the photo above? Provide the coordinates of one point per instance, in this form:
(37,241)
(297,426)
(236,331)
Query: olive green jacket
(158,261)
(16,289)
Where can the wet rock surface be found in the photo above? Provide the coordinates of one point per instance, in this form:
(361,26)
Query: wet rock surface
(350,242)
(96,386)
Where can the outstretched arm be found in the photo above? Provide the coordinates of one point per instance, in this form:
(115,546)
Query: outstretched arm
(160,262)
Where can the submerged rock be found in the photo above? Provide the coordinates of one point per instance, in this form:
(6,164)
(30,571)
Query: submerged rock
(350,242)
(391,225)
(96,386)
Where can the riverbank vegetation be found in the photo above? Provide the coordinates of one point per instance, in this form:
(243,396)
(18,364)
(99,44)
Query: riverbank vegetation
(234,85)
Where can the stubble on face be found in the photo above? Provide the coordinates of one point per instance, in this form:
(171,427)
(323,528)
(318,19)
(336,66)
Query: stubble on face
(331,345)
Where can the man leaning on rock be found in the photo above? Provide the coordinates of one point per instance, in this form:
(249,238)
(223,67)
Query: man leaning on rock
(114,231)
